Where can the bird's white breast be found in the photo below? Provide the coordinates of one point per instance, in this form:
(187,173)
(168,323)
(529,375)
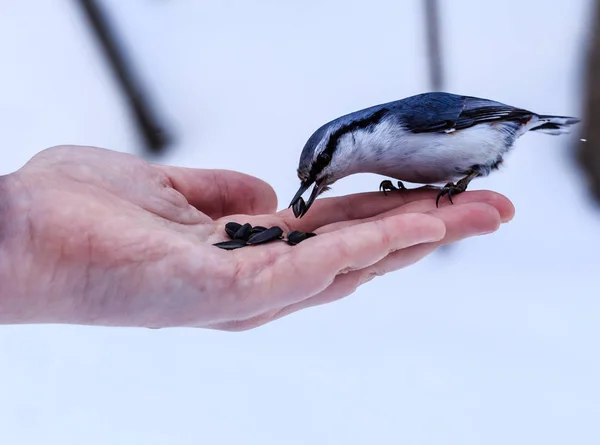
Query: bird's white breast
(427,158)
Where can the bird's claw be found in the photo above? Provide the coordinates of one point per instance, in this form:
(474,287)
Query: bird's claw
(451,189)
(387,186)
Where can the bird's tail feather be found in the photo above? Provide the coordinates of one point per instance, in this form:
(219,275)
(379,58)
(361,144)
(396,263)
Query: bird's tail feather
(554,125)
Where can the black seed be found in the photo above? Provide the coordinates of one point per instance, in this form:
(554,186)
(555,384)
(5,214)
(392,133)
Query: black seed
(232,244)
(270,234)
(243,232)
(231,228)
(257,229)
(299,207)
(294,237)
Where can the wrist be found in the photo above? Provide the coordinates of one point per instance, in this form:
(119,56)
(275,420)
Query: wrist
(36,285)
(14,307)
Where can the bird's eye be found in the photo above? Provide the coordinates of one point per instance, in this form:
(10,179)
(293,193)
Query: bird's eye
(324,158)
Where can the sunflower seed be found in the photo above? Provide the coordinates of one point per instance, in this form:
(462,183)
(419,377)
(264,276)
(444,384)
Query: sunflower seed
(257,229)
(231,228)
(294,237)
(231,244)
(243,232)
(299,207)
(270,234)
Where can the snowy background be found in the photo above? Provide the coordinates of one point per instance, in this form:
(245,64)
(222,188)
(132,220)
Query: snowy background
(491,342)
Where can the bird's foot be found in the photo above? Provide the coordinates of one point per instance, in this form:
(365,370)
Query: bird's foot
(387,186)
(452,189)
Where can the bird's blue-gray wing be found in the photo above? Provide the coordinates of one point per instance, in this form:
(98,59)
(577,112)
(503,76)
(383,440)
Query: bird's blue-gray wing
(442,112)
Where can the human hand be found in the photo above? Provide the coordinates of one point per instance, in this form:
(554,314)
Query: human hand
(104,238)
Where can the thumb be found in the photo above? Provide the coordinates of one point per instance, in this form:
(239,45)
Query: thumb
(219,193)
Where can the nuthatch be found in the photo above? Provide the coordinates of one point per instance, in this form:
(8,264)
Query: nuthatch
(430,138)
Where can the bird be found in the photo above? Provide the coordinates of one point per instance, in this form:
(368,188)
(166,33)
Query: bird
(429,138)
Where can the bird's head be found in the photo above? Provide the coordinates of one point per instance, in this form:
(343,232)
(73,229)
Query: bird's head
(331,153)
(320,165)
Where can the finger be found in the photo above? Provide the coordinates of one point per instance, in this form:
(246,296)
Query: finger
(311,266)
(367,205)
(356,206)
(461,222)
(414,228)
(218,193)
(501,203)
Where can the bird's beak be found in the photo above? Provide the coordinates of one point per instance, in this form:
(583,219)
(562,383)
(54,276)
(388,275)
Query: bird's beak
(303,187)
(298,205)
(315,192)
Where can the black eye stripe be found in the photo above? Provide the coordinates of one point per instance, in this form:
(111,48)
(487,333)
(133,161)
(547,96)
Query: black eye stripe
(324,158)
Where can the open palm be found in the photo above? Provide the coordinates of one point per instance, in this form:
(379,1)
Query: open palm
(105,238)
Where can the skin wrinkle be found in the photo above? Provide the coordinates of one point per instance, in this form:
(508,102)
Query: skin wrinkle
(384,236)
(136,269)
(169,212)
(87,270)
(271,315)
(384,240)
(162,180)
(174,197)
(74,248)
(219,299)
(346,208)
(205,189)
(11,225)
(165,179)
(237,272)
(346,249)
(5,204)
(368,276)
(143,276)
(289,261)
(180,266)
(263,318)
(349,285)
(49,273)
(249,278)
(270,282)
(183,213)
(223,189)
(65,257)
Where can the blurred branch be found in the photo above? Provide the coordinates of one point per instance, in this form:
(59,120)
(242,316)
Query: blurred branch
(588,152)
(148,125)
(432,28)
